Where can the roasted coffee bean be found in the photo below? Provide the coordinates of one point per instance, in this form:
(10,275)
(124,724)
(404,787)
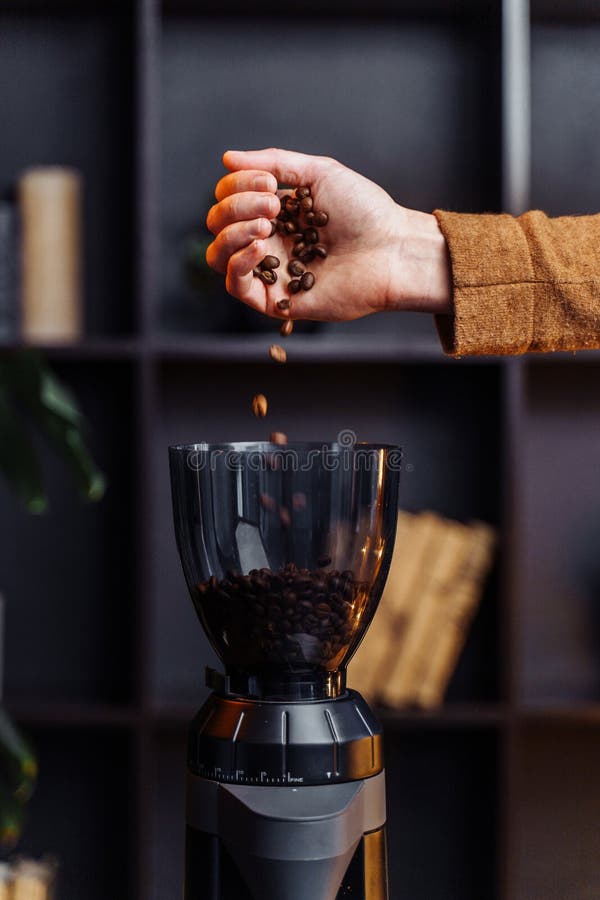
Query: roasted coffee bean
(277,353)
(281,228)
(290,227)
(307,256)
(321,219)
(309,218)
(268,276)
(259,406)
(311,235)
(297,237)
(295,268)
(306,204)
(292,206)
(320,250)
(286,328)
(282,215)
(278,437)
(285,303)
(307,281)
(270,262)
(299,247)
(273,227)
(302,192)
(294,285)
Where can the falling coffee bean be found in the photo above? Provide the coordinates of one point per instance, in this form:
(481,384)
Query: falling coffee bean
(277,353)
(278,437)
(286,328)
(321,219)
(259,406)
(294,285)
(284,303)
(268,502)
(295,268)
(307,281)
(269,263)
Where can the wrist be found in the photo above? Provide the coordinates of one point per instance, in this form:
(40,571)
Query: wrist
(421,278)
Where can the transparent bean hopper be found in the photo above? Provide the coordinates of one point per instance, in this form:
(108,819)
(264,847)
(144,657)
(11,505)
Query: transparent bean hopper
(285,551)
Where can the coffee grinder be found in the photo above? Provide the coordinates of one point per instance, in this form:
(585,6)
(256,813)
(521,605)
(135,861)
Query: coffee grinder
(285,551)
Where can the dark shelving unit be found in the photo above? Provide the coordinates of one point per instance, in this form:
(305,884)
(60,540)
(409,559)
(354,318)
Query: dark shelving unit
(105,658)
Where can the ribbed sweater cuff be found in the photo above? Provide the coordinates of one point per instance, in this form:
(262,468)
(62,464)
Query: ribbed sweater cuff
(492,278)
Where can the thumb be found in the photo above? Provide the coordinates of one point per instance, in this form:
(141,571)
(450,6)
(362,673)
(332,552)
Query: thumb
(287,166)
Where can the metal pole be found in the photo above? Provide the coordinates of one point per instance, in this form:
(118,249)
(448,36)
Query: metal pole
(516,106)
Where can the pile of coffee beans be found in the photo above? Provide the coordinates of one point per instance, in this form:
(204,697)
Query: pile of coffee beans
(299,222)
(292,615)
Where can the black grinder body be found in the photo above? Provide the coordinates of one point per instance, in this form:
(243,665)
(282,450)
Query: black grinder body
(285,801)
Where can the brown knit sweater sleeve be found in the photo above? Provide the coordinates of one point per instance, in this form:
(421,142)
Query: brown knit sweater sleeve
(521,284)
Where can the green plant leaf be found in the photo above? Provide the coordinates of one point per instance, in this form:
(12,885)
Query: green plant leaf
(18,766)
(57,415)
(18,461)
(12,818)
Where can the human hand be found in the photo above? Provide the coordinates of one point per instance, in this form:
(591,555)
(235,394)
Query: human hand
(381,256)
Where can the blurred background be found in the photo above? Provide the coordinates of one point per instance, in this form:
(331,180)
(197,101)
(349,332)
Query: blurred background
(495,794)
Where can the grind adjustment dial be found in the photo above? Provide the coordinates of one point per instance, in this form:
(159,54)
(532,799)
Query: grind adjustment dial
(271,743)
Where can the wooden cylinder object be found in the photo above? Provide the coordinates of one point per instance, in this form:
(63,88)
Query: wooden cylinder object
(50,204)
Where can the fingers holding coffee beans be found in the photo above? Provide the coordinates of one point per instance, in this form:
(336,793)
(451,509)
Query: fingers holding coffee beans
(233,238)
(240,281)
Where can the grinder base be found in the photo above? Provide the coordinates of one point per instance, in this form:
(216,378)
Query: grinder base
(211,873)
